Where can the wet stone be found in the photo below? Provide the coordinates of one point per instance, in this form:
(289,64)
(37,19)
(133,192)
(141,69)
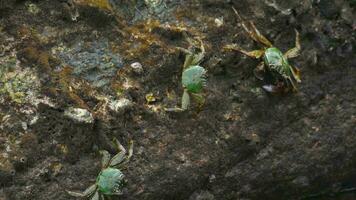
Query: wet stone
(301,181)
(92,61)
(329,8)
(202,195)
(306,142)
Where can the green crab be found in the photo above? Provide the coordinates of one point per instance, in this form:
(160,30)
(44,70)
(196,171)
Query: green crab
(110,180)
(284,76)
(193,76)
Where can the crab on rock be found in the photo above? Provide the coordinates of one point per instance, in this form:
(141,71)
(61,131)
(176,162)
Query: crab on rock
(110,180)
(273,61)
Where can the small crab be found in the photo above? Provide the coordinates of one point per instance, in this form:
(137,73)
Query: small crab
(193,76)
(110,180)
(274,62)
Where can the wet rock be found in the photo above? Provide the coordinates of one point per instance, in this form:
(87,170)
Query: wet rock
(275,5)
(348,15)
(2,195)
(79,115)
(301,181)
(156,6)
(7,170)
(20,85)
(205,154)
(6,177)
(202,195)
(6,5)
(93,61)
(329,8)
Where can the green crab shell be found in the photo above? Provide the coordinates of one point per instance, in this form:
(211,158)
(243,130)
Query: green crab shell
(110,181)
(275,61)
(193,78)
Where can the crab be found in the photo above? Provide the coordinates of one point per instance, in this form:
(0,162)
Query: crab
(274,63)
(110,180)
(193,76)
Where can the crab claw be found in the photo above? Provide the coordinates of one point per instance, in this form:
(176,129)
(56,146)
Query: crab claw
(270,88)
(296,74)
(279,88)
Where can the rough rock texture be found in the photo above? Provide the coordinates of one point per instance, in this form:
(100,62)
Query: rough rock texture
(243,144)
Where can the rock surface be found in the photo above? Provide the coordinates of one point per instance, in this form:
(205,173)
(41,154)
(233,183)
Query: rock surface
(243,144)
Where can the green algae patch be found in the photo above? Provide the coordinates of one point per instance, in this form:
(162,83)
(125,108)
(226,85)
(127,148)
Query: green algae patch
(19,85)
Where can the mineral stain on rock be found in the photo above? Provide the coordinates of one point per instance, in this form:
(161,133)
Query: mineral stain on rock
(92,61)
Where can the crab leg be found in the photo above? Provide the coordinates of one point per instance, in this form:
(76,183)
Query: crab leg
(95,196)
(257,71)
(120,158)
(88,192)
(262,39)
(200,56)
(105,158)
(118,193)
(254,33)
(130,151)
(294,52)
(185,103)
(296,74)
(254,54)
(292,83)
(191,58)
(185,100)
(199,99)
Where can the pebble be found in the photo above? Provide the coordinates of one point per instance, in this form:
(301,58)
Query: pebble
(219,21)
(137,67)
(120,105)
(202,195)
(79,115)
